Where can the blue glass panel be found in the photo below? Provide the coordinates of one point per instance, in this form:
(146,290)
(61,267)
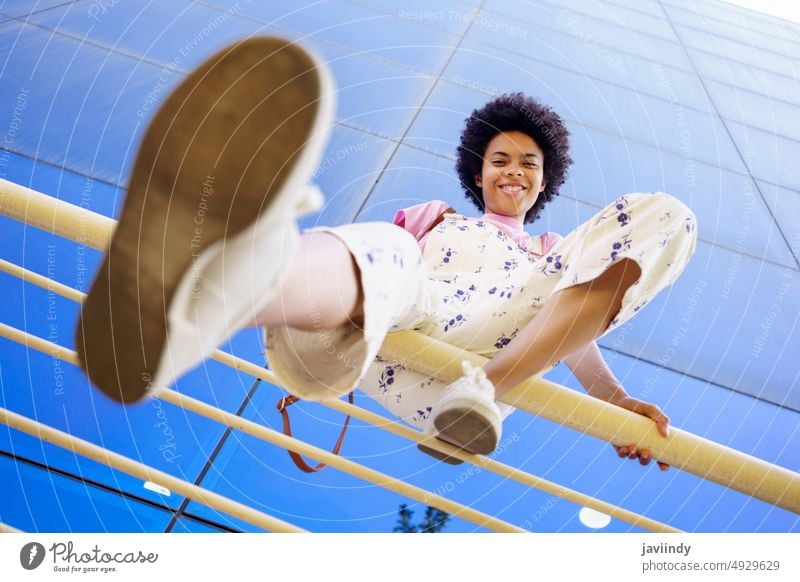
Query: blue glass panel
(361,29)
(189,525)
(607,166)
(187,33)
(21,8)
(194,31)
(779,39)
(37,500)
(649,7)
(413,177)
(374,95)
(351,164)
(719,323)
(784,63)
(197,31)
(785,206)
(439,123)
(572,51)
(749,78)
(453,16)
(276,11)
(66,120)
(755,110)
(770,157)
(652,121)
(736,15)
(634,21)
(601,33)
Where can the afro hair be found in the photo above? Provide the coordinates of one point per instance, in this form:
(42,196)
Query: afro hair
(514,112)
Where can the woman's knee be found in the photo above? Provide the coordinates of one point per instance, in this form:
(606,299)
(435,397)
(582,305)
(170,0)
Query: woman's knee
(322,290)
(606,292)
(622,274)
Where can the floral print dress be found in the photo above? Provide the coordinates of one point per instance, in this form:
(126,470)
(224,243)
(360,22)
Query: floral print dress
(473,285)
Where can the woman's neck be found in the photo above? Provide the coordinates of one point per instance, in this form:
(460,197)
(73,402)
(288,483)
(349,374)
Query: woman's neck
(510,222)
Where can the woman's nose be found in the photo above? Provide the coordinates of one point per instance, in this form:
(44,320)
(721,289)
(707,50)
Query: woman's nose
(514,170)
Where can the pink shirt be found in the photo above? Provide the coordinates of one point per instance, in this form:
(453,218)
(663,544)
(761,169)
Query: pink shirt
(419,219)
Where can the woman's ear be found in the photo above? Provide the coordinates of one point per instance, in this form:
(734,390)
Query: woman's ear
(478,181)
(544,186)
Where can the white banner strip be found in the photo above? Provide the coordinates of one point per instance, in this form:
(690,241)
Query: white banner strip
(354,557)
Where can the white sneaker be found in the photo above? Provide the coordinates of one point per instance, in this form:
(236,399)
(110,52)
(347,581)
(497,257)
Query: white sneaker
(208,224)
(466,414)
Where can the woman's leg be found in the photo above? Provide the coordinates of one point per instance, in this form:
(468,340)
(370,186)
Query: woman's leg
(347,287)
(568,320)
(467,415)
(644,238)
(321,290)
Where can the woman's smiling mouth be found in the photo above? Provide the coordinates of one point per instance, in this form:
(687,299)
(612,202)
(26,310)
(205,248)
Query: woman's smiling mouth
(512,188)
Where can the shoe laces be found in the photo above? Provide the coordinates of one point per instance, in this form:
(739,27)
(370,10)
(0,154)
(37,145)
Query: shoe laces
(311,201)
(476,376)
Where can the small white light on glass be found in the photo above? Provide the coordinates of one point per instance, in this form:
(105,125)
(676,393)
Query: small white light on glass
(157,488)
(593,519)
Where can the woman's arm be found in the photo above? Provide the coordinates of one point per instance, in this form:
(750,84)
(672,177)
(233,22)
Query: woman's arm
(592,371)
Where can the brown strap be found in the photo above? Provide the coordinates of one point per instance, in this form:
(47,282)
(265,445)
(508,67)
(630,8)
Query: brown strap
(287,430)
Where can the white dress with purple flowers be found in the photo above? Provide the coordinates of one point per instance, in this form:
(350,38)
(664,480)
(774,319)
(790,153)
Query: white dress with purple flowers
(475,285)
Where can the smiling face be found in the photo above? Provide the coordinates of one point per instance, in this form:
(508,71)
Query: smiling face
(512,174)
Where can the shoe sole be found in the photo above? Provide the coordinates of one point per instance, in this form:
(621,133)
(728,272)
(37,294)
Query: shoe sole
(465,428)
(445,458)
(213,160)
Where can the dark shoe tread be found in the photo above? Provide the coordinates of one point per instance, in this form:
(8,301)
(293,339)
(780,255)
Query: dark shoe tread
(466,429)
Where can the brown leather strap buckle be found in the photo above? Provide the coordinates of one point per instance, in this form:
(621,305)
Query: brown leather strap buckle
(281,405)
(286,401)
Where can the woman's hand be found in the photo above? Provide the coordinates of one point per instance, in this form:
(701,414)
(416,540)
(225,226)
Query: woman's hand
(597,379)
(652,412)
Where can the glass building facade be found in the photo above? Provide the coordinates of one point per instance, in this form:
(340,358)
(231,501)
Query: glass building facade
(695,98)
